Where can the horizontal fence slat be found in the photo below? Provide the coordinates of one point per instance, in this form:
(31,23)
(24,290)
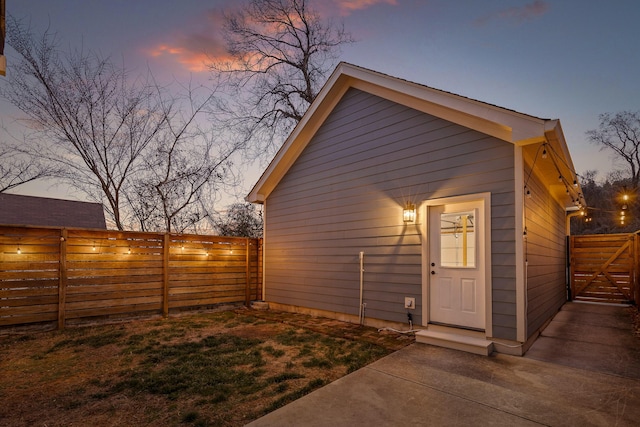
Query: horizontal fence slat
(112,311)
(110,303)
(39,317)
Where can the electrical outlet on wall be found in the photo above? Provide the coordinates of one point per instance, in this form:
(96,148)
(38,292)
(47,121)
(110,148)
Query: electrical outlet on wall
(409,302)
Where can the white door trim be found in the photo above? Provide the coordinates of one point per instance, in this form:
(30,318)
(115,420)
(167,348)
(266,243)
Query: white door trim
(485,199)
(519,238)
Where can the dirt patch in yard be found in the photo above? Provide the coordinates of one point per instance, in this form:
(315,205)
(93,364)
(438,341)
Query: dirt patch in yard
(218,368)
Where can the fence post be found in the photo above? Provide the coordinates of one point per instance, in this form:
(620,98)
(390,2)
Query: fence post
(571,249)
(260,267)
(62,278)
(636,268)
(165,274)
(247,288)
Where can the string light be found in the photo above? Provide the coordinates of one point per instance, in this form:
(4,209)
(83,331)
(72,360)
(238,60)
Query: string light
(544,153)
(19,250)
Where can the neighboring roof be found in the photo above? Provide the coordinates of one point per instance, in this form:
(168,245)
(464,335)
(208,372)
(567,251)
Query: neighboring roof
(41,211)
(3,59)
(508,125)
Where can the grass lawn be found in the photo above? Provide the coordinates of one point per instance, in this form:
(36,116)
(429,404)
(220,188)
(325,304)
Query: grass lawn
(206,369)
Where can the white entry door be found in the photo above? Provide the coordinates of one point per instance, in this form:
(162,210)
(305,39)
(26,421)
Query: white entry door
(457,265)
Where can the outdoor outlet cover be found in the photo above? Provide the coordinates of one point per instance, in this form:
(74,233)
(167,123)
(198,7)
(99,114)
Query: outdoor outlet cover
(409,302)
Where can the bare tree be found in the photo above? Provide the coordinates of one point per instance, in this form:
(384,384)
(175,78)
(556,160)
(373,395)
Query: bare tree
(620,133)
(282,52)
(607,198)
(17,169)
(183,162)
(241,220)
(85,116)
(130,144)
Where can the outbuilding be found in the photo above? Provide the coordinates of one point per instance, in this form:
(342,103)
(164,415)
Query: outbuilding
(395,204)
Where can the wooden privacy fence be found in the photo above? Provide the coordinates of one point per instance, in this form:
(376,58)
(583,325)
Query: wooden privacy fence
(55,275)
(604,268)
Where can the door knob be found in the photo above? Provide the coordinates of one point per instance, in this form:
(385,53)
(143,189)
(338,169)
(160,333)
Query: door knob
(433,272)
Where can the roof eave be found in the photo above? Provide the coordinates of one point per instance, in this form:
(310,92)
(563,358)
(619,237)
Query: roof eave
(507,125)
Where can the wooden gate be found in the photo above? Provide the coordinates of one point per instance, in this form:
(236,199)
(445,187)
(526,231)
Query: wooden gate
(604,268)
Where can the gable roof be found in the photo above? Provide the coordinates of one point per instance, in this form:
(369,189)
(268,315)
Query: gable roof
(41,211)
(508,125)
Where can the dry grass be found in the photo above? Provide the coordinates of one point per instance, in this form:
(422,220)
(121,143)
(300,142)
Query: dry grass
(635,316)
(225,368)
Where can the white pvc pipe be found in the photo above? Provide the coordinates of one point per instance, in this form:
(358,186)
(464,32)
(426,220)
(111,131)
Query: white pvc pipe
(361,286)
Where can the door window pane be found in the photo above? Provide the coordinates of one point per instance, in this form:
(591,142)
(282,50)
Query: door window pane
(458,239)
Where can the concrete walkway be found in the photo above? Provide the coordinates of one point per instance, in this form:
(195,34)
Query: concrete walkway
(591,337)
(583,371)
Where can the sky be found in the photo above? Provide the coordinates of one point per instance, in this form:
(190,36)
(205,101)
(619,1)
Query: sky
(557,59)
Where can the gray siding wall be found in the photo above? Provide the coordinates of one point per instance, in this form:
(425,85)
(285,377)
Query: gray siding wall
(545,251)
(345,194)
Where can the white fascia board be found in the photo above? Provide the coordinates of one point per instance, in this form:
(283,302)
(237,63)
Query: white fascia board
(502,123)
(318,111)
(553,130)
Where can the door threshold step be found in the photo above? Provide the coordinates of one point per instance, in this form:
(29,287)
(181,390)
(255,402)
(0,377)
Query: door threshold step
(455,341)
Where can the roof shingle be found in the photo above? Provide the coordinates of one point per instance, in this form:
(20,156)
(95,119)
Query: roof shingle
(41,211)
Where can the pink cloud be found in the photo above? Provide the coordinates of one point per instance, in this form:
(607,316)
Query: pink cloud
(192,61)
(346,7)
(518,15)
(194,49)
(200,42)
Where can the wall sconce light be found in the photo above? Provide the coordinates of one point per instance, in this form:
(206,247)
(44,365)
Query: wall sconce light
(409,212)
